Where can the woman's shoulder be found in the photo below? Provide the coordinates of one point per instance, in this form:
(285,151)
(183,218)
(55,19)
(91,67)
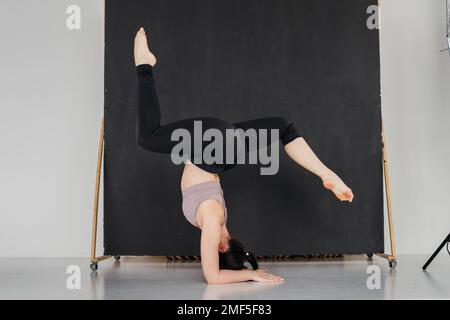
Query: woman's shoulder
(210,211)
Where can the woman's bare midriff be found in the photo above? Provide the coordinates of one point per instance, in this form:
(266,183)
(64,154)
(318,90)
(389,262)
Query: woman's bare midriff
(193,175)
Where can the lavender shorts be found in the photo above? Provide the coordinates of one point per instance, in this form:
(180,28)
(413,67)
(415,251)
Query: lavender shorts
(195,195)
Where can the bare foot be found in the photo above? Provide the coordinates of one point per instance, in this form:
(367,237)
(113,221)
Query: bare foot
(337,186)
(142,54)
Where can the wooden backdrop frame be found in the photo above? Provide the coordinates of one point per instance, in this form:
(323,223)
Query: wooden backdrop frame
(391,257)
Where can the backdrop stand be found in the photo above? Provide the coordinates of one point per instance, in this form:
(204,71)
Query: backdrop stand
(392,259)
(95,260)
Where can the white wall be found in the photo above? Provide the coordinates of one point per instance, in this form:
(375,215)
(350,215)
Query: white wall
(415,93)
(51,100)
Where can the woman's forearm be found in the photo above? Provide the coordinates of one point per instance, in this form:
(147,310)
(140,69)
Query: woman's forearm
(231,276)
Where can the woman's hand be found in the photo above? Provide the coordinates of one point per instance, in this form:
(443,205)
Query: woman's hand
(263,275)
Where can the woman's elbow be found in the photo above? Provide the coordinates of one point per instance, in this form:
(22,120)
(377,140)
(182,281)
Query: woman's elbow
(211,279)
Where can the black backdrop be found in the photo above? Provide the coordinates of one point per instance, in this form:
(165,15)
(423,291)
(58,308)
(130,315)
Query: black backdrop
(313,62)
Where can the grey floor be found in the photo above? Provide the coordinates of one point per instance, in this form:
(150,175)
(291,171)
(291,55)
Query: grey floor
(157,278)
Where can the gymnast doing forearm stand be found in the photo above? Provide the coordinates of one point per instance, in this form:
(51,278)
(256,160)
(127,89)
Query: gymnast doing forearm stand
(222,257)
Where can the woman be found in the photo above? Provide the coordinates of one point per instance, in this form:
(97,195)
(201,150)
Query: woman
(222,256)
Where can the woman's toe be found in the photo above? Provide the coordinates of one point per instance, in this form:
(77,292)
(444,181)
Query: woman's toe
(349,195)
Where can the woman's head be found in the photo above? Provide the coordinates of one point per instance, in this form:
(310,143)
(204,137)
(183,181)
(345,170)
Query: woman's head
(235,257)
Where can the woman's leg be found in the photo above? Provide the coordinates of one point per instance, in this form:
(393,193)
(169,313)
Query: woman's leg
(149,132)
(148,113)
(299,151)
(152,136)
(287,131)
(155,137)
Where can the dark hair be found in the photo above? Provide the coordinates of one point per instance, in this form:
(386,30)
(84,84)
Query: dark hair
(235,257)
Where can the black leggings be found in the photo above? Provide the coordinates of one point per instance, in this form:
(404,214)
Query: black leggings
(154,137)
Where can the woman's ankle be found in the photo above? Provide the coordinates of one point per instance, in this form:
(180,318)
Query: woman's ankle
(327,174)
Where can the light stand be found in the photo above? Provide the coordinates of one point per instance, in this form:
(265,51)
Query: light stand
(446,240)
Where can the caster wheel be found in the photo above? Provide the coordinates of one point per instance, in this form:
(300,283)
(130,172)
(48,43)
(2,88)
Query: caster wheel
(94,266)
(392,264)
(370,256)
(117,258)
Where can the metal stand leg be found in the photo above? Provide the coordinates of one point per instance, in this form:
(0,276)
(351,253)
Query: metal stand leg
(94,259)
(446,240)
(390,257)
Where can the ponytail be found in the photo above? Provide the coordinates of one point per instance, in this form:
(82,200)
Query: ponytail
(252,260)
(235,257)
